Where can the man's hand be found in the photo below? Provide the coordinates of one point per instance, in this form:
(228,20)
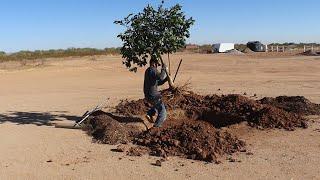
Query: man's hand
(164,67)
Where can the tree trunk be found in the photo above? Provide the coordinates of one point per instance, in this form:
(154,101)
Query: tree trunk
(169,64)
(171,85)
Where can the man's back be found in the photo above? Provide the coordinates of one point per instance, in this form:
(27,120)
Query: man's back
(150,87)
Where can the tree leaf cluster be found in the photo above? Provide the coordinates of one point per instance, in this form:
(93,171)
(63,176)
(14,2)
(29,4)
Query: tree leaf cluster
(152,33)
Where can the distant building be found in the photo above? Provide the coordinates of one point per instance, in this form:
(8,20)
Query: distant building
(222,47)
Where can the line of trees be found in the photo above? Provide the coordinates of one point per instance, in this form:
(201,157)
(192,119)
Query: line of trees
(56,53)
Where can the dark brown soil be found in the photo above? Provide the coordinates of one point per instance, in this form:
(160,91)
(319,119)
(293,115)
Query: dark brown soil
(104,128)
(197,141)
(226,110)
(198,134)
(295,104)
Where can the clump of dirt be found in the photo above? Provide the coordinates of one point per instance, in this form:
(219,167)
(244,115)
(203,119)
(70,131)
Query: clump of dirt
(295,104)
(128,108)
(272,117)
(233,109)
(198,141)
(105,129)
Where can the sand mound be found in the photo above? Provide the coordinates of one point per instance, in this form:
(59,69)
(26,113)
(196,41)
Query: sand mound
(247,50)
(198,133)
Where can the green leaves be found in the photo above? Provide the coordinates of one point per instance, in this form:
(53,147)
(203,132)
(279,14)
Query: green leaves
(153,32)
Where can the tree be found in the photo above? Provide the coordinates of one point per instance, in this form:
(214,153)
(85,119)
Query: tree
(152,33)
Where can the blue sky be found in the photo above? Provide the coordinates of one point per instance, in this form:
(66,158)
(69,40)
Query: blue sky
(52,24)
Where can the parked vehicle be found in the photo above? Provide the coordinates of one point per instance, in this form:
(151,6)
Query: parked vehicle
(222,47)
(256,46)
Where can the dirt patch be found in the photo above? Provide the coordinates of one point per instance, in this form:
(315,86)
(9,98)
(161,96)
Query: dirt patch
(132,107)
(234,52)
(104,128)
(191,140)
(295,104)
(198,133)
(247,50)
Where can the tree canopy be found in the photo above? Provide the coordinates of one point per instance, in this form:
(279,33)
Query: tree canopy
(152,33)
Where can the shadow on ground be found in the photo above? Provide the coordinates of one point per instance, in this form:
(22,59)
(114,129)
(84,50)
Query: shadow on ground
(36,118)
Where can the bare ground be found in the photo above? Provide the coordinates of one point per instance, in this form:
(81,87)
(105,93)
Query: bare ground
(63,89)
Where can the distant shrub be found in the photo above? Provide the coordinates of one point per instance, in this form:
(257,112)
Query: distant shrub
(207,49)
(56,53)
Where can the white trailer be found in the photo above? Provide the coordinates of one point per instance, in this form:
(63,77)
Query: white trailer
(222,47)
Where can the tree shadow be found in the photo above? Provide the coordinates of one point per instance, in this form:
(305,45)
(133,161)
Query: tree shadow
(35,118)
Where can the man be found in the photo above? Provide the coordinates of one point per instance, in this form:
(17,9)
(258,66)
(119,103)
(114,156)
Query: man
(153,79)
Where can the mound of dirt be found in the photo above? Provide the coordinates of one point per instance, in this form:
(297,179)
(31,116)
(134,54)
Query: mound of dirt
(272,117)
(295,104)
(222,111)
(233,109)
(129,108)
(198,133)
(106,129)
(247,50)
(194,141)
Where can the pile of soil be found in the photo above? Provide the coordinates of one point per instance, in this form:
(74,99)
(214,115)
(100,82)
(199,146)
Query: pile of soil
(222,111)
(198,133)
(196,141)
(247,50)
(295,104)
(105,128)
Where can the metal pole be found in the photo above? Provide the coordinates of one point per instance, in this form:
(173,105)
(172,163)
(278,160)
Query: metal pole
(177,70)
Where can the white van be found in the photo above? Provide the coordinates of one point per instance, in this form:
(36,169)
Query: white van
(222,47)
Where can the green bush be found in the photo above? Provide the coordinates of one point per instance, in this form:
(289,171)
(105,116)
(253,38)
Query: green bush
(56,53)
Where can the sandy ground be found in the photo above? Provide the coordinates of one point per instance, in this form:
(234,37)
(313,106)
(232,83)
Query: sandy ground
(63,89)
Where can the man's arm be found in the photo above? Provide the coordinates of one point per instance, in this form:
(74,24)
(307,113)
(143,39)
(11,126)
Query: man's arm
(162,76)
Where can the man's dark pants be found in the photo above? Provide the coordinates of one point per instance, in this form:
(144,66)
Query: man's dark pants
(158,107)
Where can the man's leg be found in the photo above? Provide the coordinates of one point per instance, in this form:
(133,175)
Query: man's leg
(162,114)
(152,111)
